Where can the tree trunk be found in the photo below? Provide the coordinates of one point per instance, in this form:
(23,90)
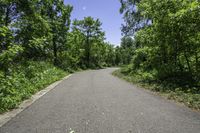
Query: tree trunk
(7,41)
(7,15)
(197,62)
(55,51)
(188,62)
(88,50)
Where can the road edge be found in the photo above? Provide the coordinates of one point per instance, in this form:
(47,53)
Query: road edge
(4,118)
(157,93)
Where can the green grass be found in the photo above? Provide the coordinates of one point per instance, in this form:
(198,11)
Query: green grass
(188,96)
(25,80)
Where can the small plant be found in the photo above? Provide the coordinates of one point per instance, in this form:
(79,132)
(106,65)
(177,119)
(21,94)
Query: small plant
(26,80)
(189,96)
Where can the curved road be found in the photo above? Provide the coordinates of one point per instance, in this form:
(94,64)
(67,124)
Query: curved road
(97,102)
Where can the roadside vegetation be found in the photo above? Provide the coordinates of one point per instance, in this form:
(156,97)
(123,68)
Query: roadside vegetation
(160,47)
(189,96)
(39,44)
(164,39)
(25,80)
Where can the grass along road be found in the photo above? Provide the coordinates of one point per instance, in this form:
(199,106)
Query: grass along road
(95,101)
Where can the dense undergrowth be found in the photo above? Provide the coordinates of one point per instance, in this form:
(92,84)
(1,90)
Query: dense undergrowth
(24,80)
(186,94)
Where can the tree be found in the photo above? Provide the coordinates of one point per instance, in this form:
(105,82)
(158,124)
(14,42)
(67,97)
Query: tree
(58,16)
(8,49)
(126,50)
(170,43)
(91,29)
(133,18)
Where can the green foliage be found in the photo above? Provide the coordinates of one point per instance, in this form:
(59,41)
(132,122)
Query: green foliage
(36,36)
(93,37)
(8,52)
(189,96)
(169,43)
(8,55)
(167,47)
(42,29)
(25,80)
(132,17)
(125,52)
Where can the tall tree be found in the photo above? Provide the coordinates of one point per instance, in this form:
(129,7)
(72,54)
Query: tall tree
(168,45)
(133,20)
(8,49)
(127,49)
(92,30)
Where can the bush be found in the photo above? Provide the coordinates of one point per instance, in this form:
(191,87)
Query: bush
(26,80)
(190,96)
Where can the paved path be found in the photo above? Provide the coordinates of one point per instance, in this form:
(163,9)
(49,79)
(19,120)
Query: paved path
(97,102)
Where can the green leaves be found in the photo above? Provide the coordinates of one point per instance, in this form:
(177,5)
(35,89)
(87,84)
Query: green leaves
(40,30)
(88,26)
(8,55)
(169,43)
(92,34)
(25,80)
(3,31)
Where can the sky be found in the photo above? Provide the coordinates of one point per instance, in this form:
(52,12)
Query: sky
(106,10)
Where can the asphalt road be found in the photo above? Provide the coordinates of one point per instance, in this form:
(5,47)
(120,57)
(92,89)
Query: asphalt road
(97,102)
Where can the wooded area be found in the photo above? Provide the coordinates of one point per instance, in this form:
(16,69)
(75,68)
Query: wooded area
(39,44)
(165,38)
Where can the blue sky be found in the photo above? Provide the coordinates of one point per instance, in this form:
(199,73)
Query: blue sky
(106,10)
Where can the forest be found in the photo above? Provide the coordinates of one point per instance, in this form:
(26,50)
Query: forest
(40,44)
(164,38)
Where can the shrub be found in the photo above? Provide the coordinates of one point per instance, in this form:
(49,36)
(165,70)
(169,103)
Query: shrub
(26,80)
